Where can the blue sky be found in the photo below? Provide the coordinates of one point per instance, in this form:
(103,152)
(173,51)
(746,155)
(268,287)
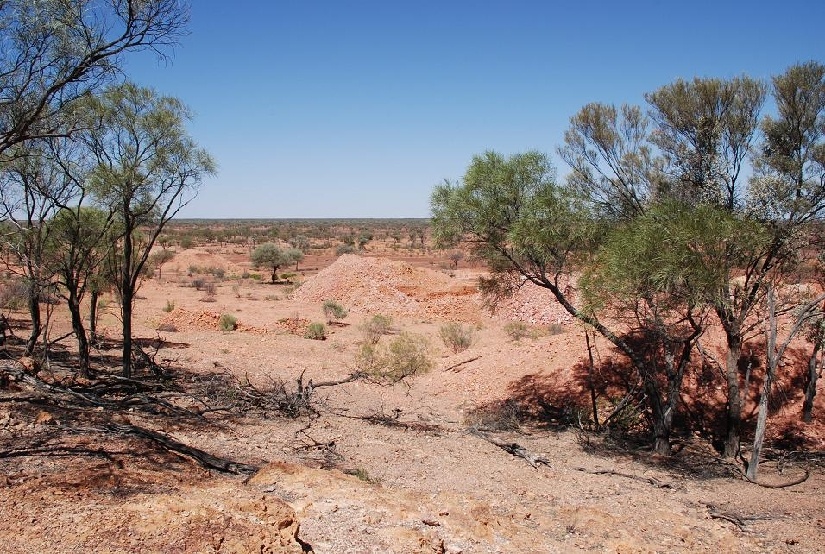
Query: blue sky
(358,108)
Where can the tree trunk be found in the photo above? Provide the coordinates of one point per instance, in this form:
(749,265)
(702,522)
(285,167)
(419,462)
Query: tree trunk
(126,300)
(80,333)
(772,361)
(34,313)
(761,425)
(94,296)
(662,424)
(662,416)
(733,420)
(126,311)
(591,382)
(810,384)
(274,274)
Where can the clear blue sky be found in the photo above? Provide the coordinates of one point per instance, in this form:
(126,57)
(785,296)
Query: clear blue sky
(358,108)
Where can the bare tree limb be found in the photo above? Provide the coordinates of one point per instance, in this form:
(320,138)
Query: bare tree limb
(513,448)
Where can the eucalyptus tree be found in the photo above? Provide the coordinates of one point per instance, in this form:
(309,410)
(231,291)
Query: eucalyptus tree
(33,186)
(612,164)
(56,52)
(515,216)
(270,255)
(80,242)
(705,129)
(147,169)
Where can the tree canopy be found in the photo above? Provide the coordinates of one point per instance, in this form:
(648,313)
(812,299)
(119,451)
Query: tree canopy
(654,229)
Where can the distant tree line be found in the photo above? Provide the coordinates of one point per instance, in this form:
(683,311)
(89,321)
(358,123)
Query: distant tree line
(699,210)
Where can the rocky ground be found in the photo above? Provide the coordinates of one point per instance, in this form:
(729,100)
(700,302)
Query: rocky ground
(377,467)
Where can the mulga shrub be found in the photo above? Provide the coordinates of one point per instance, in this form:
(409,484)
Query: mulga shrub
(333,311)
(316,331)
(456,336)
(406,355)
(227,322)
(376,327)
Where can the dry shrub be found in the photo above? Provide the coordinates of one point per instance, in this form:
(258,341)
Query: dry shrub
(404,356)
(505,415)
(316,331)
(13,294)
(555,329)
(334,311)
(376,327)
(518,330)
(456,336)
(167,328)
(227,322)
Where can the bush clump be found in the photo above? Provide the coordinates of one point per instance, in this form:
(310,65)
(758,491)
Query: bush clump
(404,356)
(504,415)
(210,292)
(345,249)
(227,322)
(170,306)
(456,336)
(334,311)
(316,331)
(376,327)
(517,330)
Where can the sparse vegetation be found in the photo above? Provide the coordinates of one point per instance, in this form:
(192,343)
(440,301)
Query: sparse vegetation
(333,311)
(210,291)
(169,307)
(555,329)
(518,330)
(506,415)
(376,327)
(361,474)
(316,331)
(227,322)
(405,356)
(456,336)
(345,249)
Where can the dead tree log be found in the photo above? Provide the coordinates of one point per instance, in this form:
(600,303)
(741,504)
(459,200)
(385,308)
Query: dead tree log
(513,448)
(651,480)
(202,457)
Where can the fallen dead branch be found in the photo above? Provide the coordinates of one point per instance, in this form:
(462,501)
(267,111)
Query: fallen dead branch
(797,481)
(715,513)
(143,360)
(92,396)
(17,372)
(202,457)
(513,448)
(459,364)
(650,480)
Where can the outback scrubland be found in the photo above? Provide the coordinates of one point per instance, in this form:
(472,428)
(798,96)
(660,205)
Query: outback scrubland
(622,355)
(422,421)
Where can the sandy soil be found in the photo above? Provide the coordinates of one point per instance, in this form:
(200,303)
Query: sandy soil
(383,468)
